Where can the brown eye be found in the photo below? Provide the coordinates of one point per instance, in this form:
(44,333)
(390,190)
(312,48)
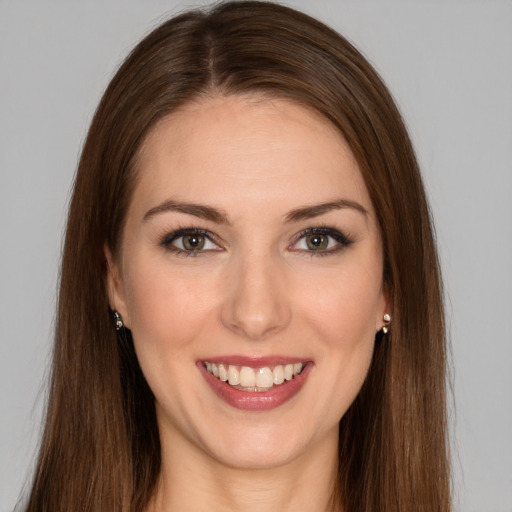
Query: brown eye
(194,242)
(317,242)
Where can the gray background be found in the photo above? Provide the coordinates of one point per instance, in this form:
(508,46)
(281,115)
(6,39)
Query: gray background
(448,63)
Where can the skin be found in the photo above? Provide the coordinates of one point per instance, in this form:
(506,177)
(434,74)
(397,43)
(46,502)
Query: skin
(257,289)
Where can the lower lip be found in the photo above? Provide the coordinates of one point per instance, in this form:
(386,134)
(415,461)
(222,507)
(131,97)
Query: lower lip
(256,400)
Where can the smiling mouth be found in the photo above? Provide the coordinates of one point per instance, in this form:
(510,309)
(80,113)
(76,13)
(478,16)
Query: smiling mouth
(258,380)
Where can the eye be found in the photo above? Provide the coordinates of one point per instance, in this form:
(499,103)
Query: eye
(189,241)
(322,240)
(318,242)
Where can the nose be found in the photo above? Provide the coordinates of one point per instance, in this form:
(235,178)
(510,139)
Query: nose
(256,304)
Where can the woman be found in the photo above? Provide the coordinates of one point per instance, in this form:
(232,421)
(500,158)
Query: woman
(249,213)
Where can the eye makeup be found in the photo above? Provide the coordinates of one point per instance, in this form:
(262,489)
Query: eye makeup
(313,241)
(194,242)
(321,241)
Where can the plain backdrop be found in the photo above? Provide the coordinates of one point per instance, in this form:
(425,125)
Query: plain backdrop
(449,65)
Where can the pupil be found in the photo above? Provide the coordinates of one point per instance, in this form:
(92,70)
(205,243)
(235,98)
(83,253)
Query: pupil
(193,242)
(317,242)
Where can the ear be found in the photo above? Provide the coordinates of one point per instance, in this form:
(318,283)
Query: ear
(115,288)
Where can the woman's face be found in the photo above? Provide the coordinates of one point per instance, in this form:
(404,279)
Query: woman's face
(251,253)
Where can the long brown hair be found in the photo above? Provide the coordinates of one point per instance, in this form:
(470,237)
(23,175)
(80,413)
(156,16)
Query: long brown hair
(100,449)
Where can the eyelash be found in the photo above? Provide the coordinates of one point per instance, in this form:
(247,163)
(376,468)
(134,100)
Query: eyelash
(342,240)
(168,239)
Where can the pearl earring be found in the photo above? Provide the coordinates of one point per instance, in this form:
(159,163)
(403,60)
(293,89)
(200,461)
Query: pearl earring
(118,321)
(387,321)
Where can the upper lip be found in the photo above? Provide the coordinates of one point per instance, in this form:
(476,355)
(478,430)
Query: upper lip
(255,361)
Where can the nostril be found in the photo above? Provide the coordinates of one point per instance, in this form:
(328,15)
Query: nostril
(253,320)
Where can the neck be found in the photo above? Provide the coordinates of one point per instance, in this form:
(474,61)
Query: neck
(191,480)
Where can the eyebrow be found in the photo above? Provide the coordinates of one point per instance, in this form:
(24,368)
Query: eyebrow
(197,210)
(308,212)
(220,217)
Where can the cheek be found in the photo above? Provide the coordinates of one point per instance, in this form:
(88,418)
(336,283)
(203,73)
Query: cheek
(344,304)
(345,322)
(339,314)
(167,310)
(170,313)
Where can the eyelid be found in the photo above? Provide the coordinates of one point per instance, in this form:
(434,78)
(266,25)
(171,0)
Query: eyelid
(169,237)
(342,239)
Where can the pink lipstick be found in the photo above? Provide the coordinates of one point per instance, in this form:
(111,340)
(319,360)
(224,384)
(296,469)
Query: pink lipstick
(255,383)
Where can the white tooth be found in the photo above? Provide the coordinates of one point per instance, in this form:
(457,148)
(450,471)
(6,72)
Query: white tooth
(247,377)
(297,368)
(215,370)
(288,371)
(208,366)
(233,376)
(264,377)
(223,374)
(278,374)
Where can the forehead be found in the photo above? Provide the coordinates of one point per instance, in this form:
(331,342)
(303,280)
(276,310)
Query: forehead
(266,150)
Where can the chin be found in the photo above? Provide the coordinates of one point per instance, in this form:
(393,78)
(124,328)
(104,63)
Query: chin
(259,449)
(267,446)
